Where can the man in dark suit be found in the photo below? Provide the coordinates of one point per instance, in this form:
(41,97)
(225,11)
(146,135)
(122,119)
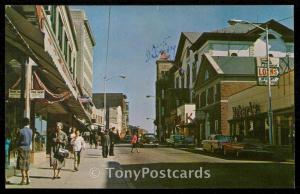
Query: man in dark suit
(113,140)
(105,144)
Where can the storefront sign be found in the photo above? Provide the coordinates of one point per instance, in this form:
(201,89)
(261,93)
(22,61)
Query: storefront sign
(262,71)
(37,94)
(33,94)
(14,93)
(245,111)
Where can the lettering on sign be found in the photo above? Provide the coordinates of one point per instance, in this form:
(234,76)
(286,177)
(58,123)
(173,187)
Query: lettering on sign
(263,72)
(241,112)
(37,94)
(14,93)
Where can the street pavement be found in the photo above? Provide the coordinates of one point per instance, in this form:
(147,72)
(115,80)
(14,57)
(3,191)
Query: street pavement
(178,166)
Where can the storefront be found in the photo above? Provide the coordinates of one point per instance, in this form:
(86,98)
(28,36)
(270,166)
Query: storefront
(248,111)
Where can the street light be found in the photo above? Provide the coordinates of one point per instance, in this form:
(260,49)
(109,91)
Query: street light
(105,80)
(270,112)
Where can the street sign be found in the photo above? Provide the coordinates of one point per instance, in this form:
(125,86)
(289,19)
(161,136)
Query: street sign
(14,93)
(263,81)
(262,71)
(37,94)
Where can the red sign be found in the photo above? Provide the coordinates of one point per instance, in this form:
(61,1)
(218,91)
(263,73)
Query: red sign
(263,72)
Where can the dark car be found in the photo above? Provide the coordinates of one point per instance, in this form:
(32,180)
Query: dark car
(127,139)
(248,146)
(149,139)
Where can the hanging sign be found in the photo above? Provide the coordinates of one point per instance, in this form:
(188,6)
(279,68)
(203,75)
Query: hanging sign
(262,71)
(14,93)
(37,94)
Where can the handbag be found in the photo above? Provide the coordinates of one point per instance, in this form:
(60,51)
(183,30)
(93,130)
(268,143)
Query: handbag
(63,153)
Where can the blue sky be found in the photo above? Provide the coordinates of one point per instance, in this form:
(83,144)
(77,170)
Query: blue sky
(133,31)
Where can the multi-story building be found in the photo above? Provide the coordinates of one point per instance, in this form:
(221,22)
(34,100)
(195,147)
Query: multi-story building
(248,109)
(235,46)
(42,39)
(85,39)
(115,110)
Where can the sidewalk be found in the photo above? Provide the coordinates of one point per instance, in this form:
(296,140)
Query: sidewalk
(92,173)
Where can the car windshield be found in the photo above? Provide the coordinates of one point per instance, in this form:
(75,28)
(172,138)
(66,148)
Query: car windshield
(149,136)
(222,138)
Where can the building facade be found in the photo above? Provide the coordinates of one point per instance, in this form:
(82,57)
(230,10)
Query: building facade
(84,66)
(248,109)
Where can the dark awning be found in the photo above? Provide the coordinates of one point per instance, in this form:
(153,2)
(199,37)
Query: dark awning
(28,38)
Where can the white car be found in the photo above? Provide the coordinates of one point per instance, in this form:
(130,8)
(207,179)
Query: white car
(215,142)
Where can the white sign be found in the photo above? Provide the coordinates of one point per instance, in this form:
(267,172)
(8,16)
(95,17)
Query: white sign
(33,94)
(37,94)
(263,81)
(262,71)
(14,93)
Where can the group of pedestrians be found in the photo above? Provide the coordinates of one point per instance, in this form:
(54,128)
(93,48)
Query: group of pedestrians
(59,144)
(59,152)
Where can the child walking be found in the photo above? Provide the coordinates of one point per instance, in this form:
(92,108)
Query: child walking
(78,144)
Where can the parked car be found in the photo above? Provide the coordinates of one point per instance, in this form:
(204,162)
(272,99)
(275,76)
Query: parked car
(149,139)
(215,142)
(175,140)
(247,145)
(127,139)
(189,141)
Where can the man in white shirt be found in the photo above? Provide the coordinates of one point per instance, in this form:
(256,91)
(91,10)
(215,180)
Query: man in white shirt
(78,144)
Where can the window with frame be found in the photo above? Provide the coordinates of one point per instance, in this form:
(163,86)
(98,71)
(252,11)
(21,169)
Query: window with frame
(194,71)
(162,94)
(66,47)
(188,77)
(203,99)
(210,95)
(53,18)
(70,59)
(162,111)
(206,75)
(60,33)
(182,81)
(177,82)
(216,126)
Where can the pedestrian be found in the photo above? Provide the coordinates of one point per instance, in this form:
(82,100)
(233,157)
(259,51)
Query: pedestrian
(96,139)
(78,144)
(24,144)
(59,140)
(92,137)
(113,139)
(105,143)
(72,136)
(134,142)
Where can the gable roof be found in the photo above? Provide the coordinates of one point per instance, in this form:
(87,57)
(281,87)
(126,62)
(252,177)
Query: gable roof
(192,37)
(244,32)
